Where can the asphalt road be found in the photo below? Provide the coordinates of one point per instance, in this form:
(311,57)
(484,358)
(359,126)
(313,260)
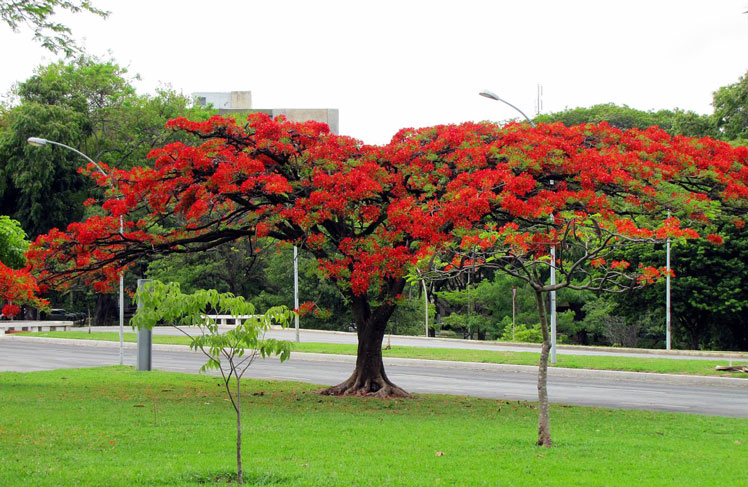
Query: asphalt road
(711,396)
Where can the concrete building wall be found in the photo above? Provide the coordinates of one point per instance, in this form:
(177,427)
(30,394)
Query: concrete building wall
(324,115)
(224,100)
(330,116)
(241,99)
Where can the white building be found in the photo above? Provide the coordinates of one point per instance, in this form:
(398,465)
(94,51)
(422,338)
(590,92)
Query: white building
(241,101)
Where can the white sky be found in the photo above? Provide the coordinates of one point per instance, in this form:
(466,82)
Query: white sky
(392,64)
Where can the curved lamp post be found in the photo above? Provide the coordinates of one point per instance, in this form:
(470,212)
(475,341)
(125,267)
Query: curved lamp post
(39,142)
(493,96)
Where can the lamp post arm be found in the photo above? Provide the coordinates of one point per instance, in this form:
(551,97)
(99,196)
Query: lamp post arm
(532,124)
(80,154)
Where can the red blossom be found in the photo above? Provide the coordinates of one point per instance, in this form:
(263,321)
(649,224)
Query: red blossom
(11,310)
(715,239)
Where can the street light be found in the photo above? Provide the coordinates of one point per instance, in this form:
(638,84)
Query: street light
(296,289)
(493,96)
(39,142)
(667,293)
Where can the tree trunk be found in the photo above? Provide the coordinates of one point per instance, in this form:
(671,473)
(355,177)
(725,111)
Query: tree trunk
(544,424)
(239,472)
(369,377)
(105,311)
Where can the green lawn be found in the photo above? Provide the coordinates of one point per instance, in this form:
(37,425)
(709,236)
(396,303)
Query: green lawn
(658,365)
(116,427)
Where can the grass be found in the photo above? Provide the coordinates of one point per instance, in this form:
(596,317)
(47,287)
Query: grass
(116,427)
(598,362)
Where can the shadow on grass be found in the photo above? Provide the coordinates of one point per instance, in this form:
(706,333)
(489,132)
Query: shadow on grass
(229,478)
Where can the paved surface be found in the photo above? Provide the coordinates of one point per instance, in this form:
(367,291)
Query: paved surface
(319,336)
(712,396)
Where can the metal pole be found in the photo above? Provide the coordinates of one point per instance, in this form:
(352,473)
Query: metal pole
(296,288)
(553,304)
(514,309)
(426,305)
(36,141)
(667,292)
(121,307)
(145,336)
(553,296)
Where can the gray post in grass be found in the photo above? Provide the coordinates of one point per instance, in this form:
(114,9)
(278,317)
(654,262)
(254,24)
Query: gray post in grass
(145,337)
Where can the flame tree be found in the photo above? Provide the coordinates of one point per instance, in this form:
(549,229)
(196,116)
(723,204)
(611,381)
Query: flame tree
(368,213)
(586,193)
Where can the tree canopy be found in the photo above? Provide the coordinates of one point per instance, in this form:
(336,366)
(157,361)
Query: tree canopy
(674,122)
(38,15)
(13,243)
(85,103)
(708,297)
(731,109)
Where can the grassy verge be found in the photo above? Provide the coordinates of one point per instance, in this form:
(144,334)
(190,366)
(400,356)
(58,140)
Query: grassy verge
(597,362)
(115,427)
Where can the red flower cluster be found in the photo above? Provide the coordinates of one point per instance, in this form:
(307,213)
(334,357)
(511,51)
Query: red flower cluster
(11,310)
(369,212)
(19,286)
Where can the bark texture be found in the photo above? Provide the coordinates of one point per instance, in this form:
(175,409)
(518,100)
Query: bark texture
(369,377)
(544,424)
(238,409)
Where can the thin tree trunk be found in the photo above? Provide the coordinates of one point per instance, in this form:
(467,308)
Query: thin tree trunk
(239,472)
(105,310)
(544,425)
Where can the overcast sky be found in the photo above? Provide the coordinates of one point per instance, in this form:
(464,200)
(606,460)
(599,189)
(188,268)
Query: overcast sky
(392,64)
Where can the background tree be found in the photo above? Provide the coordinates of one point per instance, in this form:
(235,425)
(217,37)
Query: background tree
(38,15)
(709,295)
(731,110)
(674,122)
(13,243)
(88,104)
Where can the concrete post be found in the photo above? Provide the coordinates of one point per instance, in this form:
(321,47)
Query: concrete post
(145,337)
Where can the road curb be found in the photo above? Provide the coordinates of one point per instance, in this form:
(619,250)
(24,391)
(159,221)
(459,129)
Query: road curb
(679,379)
(535,347)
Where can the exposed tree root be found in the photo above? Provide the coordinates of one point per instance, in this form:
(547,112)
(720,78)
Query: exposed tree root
(372,387)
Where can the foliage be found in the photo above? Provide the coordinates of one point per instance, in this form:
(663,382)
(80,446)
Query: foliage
(675,122)
(86,103)
(232,352)
(731,109)
(708,295)
(228,268)
(38,15)
(18,286)
(697,289)
(523,333)
(585,192)
(13,243)
(409,316)
(330,310)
